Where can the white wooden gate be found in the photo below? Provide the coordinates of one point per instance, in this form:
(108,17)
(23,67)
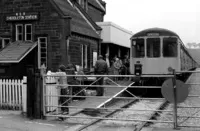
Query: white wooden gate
(51,95)
(13,94)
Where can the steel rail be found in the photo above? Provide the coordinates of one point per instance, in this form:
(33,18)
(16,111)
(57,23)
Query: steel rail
(107,115)
(113,97)
(151,116)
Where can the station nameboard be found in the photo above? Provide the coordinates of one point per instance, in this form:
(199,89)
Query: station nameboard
(22,16)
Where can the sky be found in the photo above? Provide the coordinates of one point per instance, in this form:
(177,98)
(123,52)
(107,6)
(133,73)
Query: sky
(179,16)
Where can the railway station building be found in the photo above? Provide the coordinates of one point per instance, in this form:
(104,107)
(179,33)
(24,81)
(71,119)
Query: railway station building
(50,33)
(115,40)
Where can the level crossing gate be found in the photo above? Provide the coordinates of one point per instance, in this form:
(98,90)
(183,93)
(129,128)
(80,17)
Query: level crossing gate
(188,112)
(177,118)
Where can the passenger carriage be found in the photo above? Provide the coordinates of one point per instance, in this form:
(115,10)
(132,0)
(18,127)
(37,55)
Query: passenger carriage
(157,51)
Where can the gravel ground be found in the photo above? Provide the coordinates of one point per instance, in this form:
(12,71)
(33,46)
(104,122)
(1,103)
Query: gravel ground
(132,114)
(190,101)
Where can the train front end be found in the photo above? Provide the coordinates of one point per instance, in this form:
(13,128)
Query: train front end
(154,53)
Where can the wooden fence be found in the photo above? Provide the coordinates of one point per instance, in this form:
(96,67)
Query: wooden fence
(13,94)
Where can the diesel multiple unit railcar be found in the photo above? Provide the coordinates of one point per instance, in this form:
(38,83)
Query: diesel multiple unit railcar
(157,51)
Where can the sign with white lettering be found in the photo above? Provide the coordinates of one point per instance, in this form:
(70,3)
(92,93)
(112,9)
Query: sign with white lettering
(22,16)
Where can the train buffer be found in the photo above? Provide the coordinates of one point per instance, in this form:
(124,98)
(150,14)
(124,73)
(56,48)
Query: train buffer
(97,102)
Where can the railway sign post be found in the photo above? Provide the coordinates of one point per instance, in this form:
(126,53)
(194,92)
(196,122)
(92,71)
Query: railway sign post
(174,91)
(168,91)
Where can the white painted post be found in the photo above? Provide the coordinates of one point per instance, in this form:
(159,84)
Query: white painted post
(24,95)
(19,93)
(14,93)
(4,92)
(7,93)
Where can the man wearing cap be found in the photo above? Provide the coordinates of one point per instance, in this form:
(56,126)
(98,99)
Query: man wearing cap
(100,68)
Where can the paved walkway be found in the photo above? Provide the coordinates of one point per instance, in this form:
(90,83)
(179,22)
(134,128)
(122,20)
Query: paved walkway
(14,121)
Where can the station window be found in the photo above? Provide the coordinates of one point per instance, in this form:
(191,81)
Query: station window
(28,32)
(4,42)
(24,32)
(138,48)
(42,51)
(170,47)
(153,47)
(84,55)
(19,32)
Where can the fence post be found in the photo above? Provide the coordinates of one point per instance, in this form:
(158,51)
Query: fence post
(175,99)
(39,94)
(42,89)
(30,91)
(24,95)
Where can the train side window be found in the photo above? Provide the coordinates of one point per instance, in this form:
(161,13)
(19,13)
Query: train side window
(138,48)
(170,47)
(153,47)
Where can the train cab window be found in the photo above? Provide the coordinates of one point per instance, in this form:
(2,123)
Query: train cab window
(153,47)
(170,47)
(138,48)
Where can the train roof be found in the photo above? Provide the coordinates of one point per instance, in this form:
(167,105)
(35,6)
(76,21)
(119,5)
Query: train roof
(160,31)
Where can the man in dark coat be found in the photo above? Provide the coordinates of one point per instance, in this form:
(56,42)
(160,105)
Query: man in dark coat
(101,68)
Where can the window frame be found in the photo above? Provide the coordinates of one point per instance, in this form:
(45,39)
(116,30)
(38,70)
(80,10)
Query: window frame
(147,55)
(84,57)
(39,51)
(134,43)
(25,32)
(16,31)
(164,56)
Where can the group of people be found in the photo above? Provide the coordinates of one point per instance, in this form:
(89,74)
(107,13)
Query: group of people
(120,67)
(102,67)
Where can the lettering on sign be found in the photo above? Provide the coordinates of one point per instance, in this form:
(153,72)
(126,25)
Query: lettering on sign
(22,16)
(152,34)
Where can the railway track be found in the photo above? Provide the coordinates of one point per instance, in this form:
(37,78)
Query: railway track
(105,116)
(148,110)
(134,111)
(153,115)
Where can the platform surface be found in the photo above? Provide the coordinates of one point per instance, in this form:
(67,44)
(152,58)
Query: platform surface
(95,102)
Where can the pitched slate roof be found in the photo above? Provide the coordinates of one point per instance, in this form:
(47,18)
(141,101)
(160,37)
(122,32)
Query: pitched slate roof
(95,4)
(88,17)
(16,51)
(78,23)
